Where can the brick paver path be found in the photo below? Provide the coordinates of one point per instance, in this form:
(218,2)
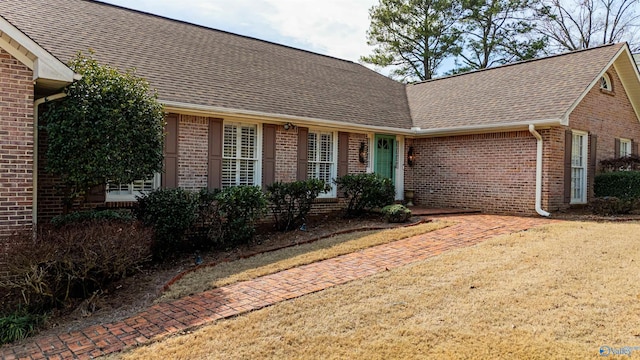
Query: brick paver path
(192,311)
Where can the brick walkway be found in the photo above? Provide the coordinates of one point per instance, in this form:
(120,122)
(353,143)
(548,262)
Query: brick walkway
(192,311)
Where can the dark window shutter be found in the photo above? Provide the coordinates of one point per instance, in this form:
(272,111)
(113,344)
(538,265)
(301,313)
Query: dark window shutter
(216,132)
(343,156)
(634,148)
(170,174)
(343,153)
(593,162)
(97,194)
(269,155)
(568,144)
(303,153)
(616,148)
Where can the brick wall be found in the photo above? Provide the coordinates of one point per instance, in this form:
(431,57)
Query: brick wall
(609,115)
(16,144)
(193,152)
(286,154)
(355,166)
(490,172)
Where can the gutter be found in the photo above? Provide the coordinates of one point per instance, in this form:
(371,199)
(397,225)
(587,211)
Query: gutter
(207,110)
(36,105)
(532,130)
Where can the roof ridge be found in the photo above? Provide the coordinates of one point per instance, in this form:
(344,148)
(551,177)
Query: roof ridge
(515,63)
(99,2)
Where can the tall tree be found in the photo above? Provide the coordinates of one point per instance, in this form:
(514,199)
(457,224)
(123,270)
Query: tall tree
(581,24)
(108,128)
(498,32)
(413,37)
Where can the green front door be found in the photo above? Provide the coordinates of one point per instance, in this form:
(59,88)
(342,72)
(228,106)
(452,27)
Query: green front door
(384,164)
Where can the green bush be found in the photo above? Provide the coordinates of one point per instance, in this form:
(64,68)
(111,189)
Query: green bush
(86,216)
(396,213)
(291,202)
(171,212)
(365,192)
(18,325)
(240,207)
(624,185)
(74,261)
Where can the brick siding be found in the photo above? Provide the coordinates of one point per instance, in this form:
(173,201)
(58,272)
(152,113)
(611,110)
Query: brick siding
(286,154)
(192,152)
(607,115)
(490,172)
(16,144)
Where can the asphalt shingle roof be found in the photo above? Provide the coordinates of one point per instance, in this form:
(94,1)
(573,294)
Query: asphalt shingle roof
(536,90)
(196,65)
(202,66)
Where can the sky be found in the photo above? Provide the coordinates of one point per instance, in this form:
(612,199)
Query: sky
(330,27)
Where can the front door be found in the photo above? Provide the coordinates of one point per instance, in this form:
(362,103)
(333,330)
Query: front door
(384,164)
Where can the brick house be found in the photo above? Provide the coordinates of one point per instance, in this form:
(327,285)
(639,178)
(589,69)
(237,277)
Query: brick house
(521,138)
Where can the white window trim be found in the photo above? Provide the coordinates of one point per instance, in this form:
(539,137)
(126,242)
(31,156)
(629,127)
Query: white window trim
(625,144)
(607,80)
(111,197)
(585,167)
(257,178)
(334,161)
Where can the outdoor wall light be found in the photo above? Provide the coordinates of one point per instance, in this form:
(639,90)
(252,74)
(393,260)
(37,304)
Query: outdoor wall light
(411,157)
(362,153)
(288,126)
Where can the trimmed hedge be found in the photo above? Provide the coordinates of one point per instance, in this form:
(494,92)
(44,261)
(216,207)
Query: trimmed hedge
(291,202)
(624,185)
(365,192)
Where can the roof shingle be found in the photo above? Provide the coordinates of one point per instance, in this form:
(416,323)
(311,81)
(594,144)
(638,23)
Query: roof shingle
(536,90)
(196,65)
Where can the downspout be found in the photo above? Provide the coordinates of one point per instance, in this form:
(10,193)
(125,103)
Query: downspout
(532,130)
(36,105)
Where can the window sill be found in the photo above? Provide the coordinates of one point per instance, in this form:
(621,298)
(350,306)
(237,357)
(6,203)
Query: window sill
(325,200)
(608,92)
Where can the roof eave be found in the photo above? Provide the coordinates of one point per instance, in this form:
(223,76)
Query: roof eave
(485,128)
(47,69)
(213,111)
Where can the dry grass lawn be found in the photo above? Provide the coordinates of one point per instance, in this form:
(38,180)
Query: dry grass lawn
(245,269)
(557,292)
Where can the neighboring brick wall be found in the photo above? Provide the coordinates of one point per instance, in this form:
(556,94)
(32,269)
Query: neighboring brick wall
(491,172)
(607,115)
(193,152)
(16,144)
(286,154)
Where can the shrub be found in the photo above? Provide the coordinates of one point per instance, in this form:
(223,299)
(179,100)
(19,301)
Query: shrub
(208,225)
(630,162)
(291,202)
(171,212)
(73,261)
(240,207)
(624,185)
(396,213)
(610,205)
(18,325)
(87,216)
(365,192)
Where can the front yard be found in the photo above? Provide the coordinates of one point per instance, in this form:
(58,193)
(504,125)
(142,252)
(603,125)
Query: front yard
(567,290)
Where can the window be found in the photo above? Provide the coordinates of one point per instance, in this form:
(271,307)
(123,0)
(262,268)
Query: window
(625,147)
(240,163)
(579,168)
(322,152)
(128,192)
(605,83)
